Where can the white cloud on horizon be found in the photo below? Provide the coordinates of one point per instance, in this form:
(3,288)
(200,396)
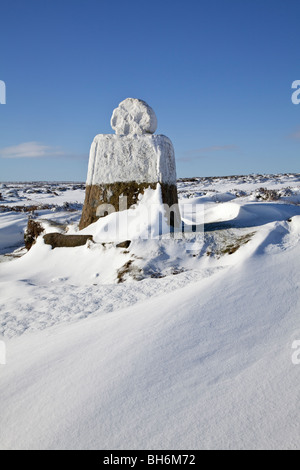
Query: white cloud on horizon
(30,150)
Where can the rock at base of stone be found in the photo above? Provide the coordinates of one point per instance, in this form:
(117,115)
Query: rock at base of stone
(33,230)
(58,240)
(100,200)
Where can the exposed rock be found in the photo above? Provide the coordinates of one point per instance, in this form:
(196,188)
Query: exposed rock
(33,230)
(125,244)
(58,240)
(129,270)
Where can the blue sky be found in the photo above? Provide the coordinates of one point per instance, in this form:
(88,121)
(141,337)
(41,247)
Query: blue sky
(218,74)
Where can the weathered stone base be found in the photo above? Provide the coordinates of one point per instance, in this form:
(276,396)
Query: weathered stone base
(113,194)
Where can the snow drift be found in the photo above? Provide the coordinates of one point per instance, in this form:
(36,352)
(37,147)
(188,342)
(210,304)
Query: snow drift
(197,354)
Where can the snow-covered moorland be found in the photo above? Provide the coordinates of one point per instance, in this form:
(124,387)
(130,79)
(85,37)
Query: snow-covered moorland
(168,343)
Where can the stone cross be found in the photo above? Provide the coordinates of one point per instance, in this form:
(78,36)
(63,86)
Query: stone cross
(128,162)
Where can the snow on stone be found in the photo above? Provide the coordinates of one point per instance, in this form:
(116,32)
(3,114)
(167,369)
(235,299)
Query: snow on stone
(122,158)
(133,116)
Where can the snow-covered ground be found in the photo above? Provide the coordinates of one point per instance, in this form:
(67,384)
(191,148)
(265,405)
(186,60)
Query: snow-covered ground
(176,342)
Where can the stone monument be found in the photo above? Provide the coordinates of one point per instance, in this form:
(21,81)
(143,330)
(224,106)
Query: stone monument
(128,162)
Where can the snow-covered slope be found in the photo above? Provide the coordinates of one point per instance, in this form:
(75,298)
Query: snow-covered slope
(196,354)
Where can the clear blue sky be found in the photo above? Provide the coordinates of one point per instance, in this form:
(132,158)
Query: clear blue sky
(218,74)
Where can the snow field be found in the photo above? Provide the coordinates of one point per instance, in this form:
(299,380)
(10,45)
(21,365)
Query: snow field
(191,350)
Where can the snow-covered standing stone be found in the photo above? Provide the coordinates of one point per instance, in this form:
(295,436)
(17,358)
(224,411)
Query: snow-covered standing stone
(128,162)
